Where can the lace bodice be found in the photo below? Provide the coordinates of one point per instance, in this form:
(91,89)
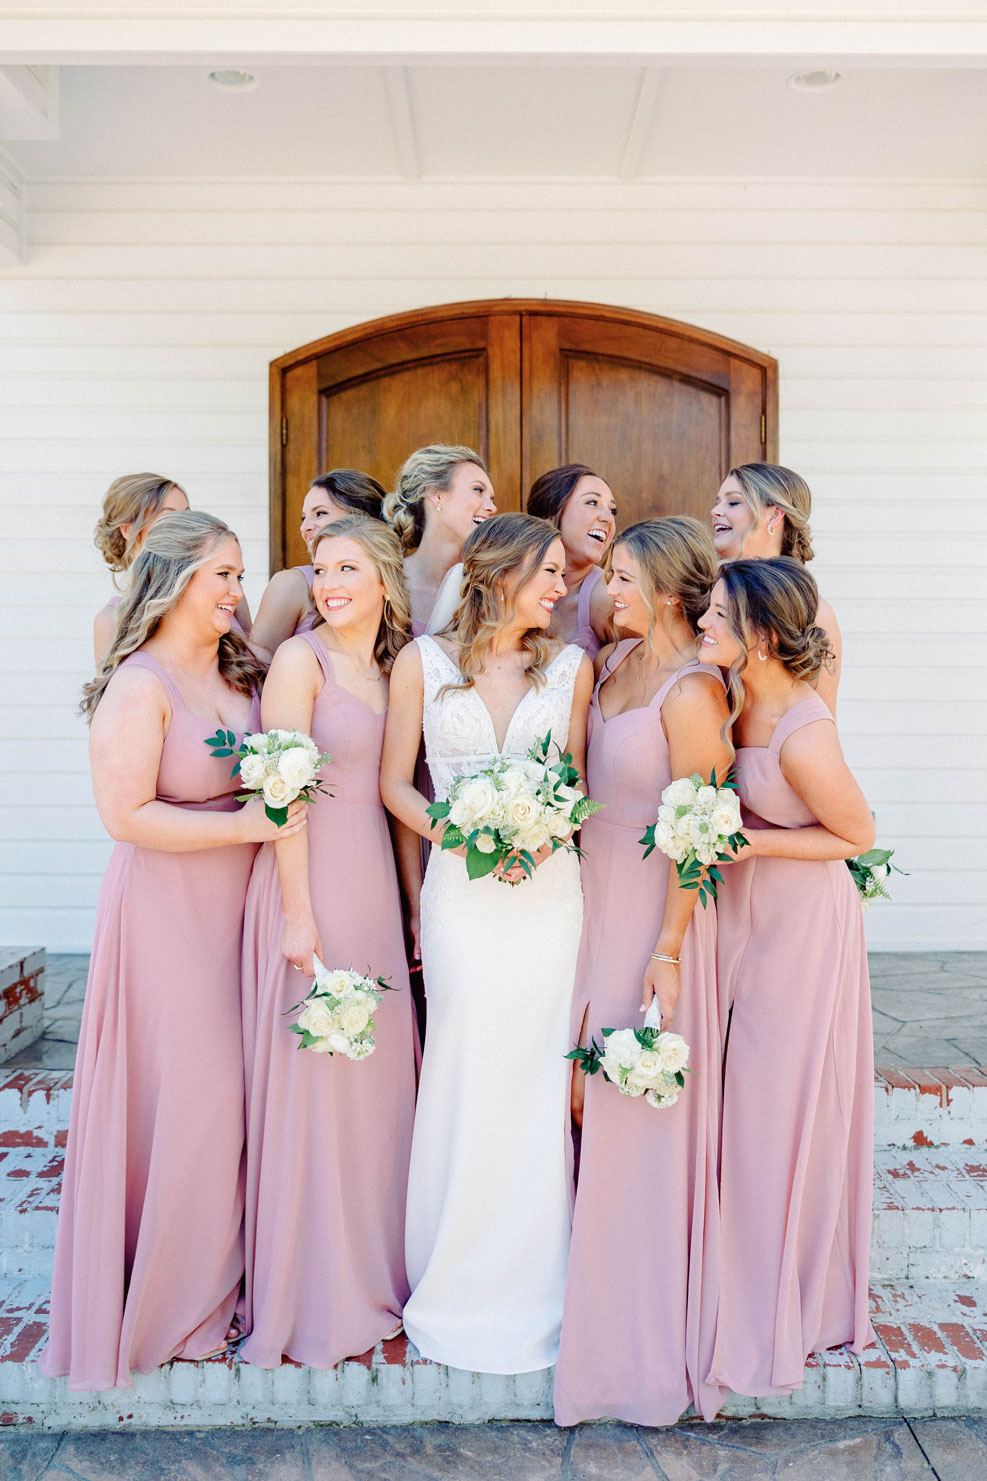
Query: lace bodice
(459,733)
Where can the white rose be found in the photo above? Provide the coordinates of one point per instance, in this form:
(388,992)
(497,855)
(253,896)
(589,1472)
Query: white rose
(354,1015)
(336,982)
(252,770)
(533,838)
(486,843)
(461,816)
(295,766)
(879,873)
(699,829)
(255,742)
(514,782)
(323,1046)
(479,795)
(672,1052)
(662,1102)
(523,812)
(725,820)
(277,793)
(706,798)
(337,1042)
(316,1018)
(620,1051)
(679,794)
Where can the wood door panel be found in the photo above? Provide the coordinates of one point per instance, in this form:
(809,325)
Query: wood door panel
(660,440)
(660,409)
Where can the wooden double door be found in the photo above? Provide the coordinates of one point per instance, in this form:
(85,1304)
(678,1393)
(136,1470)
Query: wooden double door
(659,409)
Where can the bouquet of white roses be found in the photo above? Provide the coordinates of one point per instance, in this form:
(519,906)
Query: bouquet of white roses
(280,763)
(505,813)
(639,1061)
(698,825)
(870,872)
(337,1015)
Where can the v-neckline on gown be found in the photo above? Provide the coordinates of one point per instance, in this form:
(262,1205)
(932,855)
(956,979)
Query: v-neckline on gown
(498,750)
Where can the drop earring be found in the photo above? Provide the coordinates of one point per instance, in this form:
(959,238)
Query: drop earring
(762,656)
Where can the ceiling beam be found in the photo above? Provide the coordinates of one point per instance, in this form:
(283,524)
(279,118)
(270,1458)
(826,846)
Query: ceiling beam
(13,215)
(28,102)
(642,121)
(402,122)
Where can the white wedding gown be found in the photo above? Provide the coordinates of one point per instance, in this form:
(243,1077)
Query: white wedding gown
(488,1205)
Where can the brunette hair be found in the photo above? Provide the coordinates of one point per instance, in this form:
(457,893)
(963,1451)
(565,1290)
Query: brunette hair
(356,492)
(132,500)
(767,484)
(177,545)
(384,549)
(505,546)
(431,467)
(773,601)
(552,491)
(677,559)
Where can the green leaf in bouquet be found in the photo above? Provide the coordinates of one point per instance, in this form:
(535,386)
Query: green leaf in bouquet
(585,808)
(649,840)
(453,837)
(277,815)
(479,864)
(437,811)
(589,1059)
(223,743)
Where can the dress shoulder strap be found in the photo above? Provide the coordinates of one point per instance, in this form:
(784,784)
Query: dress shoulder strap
(318,648)
(692,667)
(147,661)
(804,713)
(616,658)
(585,597)
(437,667)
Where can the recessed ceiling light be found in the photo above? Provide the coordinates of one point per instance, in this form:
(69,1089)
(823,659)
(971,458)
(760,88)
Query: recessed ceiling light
(233,79)
(814,82)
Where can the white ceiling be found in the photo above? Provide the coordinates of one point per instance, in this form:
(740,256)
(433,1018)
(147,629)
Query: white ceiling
(548,119)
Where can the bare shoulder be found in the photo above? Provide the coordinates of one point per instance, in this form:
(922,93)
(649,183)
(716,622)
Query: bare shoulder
(408,664)
(826,617)
(699,689)
(293,657)
(602,656)
(132,692)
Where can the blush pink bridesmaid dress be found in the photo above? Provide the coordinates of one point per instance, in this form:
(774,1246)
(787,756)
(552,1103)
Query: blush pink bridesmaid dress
(309,617)
(585,636)
(149,1249)
(640,1291)
(798,1097)
(328,1140)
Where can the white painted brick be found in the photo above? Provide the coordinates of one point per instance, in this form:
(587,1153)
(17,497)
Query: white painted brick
(914,1389)
(841,1382)
(216,1385)
(256,1386)
(922,1229)
(355,1389)
(460,1392)
(878,1385)
(184,1384)
(946,1388)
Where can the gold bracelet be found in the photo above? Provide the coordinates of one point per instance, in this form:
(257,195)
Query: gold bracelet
(659,956)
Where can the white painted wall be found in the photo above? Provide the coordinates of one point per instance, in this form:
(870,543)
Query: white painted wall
(138,336)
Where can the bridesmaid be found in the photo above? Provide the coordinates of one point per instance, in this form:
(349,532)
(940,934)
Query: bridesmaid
(798,1093)
(131,504)
(328,1141)
(149,1250)
(638,1322)
(762,510)
(442,493)
(286,606)
(582,509)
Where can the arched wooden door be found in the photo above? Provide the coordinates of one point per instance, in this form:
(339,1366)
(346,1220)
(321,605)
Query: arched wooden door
(659,409)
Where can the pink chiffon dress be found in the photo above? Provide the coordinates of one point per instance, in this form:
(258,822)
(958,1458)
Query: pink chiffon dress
(640,1293)
(328,1139)
(585,637)
(149,1249)
(798,1097)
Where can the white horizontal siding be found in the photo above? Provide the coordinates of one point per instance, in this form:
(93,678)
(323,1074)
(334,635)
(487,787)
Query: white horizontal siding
(138,335)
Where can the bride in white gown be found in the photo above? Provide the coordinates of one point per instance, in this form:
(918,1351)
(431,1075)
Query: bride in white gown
(487,1231)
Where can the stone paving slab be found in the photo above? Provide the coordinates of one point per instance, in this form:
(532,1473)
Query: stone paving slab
(752,1450)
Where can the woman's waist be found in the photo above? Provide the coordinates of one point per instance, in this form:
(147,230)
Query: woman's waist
(225,802)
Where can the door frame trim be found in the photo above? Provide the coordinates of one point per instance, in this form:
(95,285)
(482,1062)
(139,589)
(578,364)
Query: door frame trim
(487,307)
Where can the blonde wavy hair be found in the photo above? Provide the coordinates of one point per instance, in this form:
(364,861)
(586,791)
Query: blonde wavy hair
(767,484)
(428,468)
(499,558)
(177,545)
(132,500)
(773,602)
(384,549)
(676,558)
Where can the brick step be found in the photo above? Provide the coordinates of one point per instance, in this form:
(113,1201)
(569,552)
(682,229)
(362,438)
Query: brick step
(930,1211)
(913,1107)
(930,1214)
(930,1359)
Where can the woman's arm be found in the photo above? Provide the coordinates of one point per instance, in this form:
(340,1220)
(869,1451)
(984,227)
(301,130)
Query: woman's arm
(281,609)
(125,744)
(693,716)
(408,856)
(292,683)
(104,626)
(402,739)
(242,615)
(812,763)
(828,681)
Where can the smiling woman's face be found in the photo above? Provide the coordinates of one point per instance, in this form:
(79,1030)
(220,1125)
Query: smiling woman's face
(588,520)
(346,584)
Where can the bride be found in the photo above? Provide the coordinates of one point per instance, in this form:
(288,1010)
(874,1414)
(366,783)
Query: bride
(487,1230)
